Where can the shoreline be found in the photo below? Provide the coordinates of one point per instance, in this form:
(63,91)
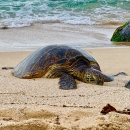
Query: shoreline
(96,48)
(35,36)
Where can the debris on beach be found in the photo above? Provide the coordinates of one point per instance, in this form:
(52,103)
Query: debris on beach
(108,108)
(6,68)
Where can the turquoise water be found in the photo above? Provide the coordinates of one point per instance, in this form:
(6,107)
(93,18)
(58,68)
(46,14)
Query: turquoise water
(19,13)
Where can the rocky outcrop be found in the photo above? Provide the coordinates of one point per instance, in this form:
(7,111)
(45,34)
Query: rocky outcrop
(122,33)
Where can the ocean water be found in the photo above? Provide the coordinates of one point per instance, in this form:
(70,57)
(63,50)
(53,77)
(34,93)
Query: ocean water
(19,13)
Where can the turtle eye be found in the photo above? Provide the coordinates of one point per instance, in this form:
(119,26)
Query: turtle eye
(89,78)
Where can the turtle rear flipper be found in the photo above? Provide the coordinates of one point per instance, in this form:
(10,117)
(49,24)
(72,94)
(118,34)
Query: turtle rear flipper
(121,73)
(67,82)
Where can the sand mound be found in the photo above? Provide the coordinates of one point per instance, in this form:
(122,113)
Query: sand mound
(28,119)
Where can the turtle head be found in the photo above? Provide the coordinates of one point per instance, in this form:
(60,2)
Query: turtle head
(94,76)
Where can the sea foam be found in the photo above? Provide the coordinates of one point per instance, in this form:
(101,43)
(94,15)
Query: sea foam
(21,13)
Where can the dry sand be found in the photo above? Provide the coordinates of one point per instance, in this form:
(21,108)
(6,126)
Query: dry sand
(38,104)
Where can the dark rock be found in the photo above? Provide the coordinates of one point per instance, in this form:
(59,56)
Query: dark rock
(122,33)
(5,27)
(127,85)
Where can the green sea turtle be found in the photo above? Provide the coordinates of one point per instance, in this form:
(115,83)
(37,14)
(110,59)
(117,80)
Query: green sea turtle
(61,61)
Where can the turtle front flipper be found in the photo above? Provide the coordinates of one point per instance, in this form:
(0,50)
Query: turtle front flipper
(67,82)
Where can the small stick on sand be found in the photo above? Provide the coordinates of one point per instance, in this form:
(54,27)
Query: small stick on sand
(6,68)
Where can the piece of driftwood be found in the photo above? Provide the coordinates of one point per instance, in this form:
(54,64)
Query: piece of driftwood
(108,108)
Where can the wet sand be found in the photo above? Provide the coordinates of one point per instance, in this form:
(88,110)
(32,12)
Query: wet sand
(35,36)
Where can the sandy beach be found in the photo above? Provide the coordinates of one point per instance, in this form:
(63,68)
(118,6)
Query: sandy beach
(39,104)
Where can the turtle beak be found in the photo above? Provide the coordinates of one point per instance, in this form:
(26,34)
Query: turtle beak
(103,78)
